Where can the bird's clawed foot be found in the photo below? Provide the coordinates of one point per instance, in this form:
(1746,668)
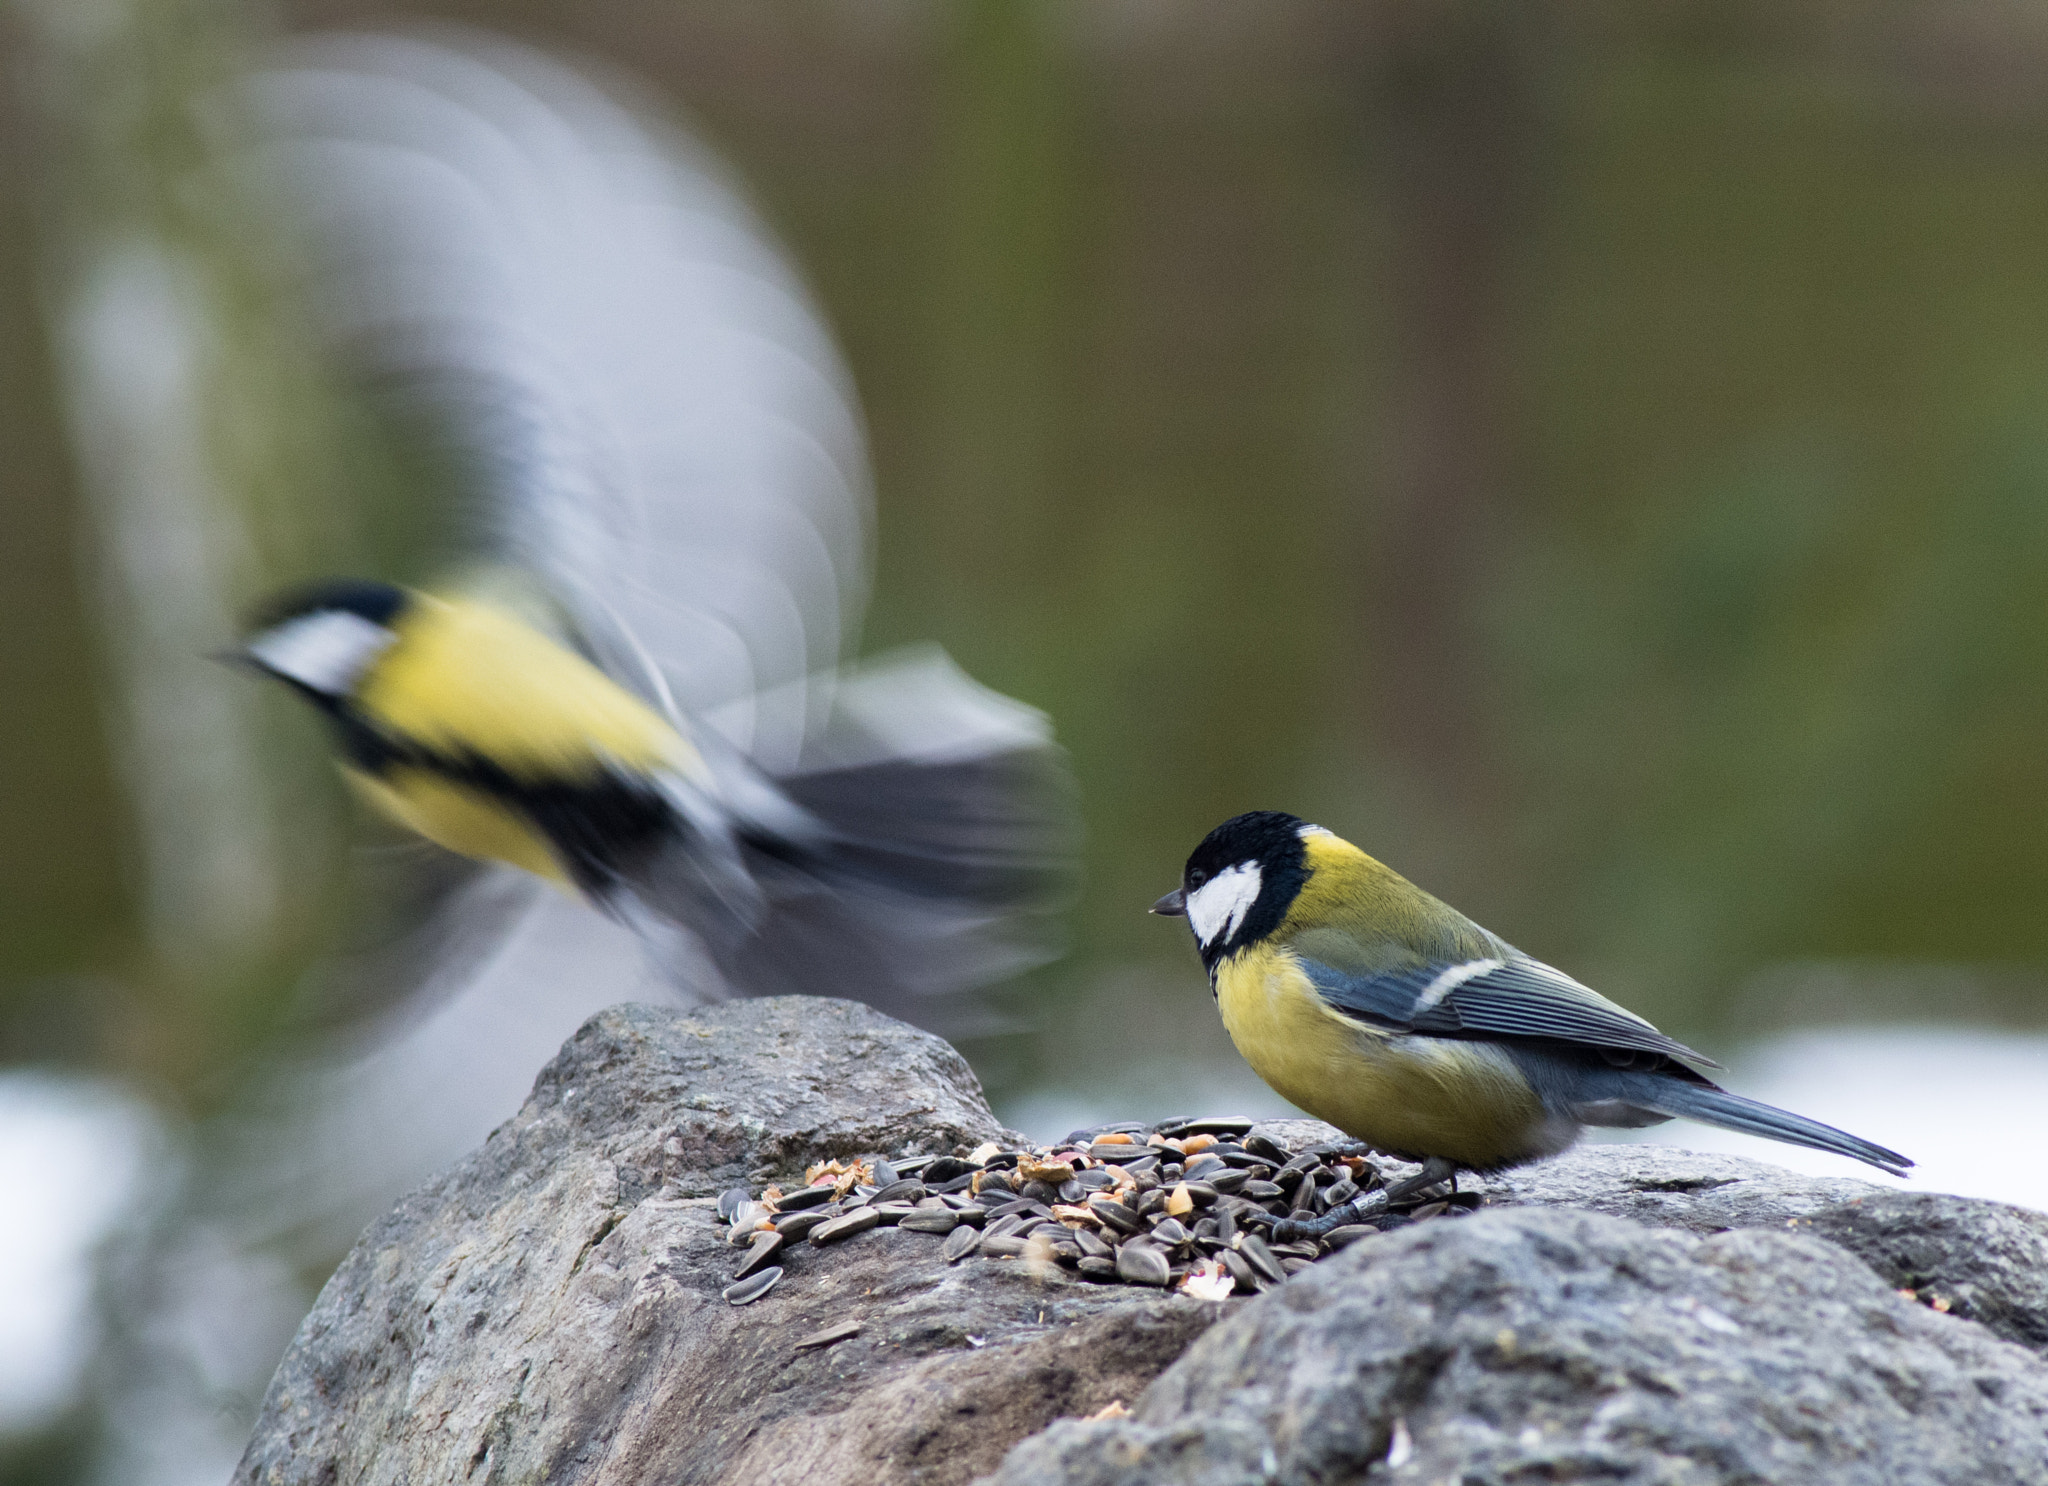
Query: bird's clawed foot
(1434,1171)
(1290,1230)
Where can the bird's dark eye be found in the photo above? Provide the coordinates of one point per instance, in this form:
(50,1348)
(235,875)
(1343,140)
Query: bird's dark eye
(1197,878)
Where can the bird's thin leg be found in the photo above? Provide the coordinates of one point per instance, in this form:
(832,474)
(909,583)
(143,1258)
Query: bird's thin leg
(1434,1170)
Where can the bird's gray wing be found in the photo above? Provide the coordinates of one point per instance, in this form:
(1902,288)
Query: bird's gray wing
(1509,996)
(644,402)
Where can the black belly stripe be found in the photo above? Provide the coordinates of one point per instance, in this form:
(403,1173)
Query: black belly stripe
(607,831)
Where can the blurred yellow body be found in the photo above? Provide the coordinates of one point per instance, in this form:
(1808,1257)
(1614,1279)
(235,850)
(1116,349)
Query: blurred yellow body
(468,680)
(1406,1095)
(472,684)
(462,820)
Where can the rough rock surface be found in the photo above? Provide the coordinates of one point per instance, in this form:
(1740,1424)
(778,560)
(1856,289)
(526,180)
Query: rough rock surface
(549,1311)
(1548,1346)
(1984,1260)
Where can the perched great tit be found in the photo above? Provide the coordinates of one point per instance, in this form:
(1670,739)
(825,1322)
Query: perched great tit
(1389,1014)
(458,720)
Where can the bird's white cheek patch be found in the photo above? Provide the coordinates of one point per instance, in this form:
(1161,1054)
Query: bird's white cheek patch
(325,651)
(1218,906)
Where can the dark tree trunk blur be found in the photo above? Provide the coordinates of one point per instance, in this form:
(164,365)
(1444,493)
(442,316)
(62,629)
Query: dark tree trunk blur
(1453,99)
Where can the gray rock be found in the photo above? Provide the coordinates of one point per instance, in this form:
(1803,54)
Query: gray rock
(549,1309)
(1528,1345)
(1985,1260)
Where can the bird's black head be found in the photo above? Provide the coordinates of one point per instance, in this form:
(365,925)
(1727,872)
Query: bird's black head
(1238,884)
(320,638)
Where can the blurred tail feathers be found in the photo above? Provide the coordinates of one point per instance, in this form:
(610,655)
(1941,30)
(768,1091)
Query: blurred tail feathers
(940,829)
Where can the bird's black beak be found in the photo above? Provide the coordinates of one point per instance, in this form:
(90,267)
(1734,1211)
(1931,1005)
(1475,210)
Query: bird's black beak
(1173,905)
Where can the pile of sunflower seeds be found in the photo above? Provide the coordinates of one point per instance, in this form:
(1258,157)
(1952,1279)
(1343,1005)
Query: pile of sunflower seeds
(1188,1205)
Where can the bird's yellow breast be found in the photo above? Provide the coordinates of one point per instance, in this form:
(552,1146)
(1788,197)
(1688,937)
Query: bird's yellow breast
(451,815)
(1410,1096)
(466,679)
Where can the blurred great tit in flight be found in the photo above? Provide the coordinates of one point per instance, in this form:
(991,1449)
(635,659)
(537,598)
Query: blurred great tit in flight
(650,518)
(1389,1014)
(458,720)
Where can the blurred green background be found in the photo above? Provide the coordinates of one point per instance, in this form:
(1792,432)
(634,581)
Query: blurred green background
(1593,455)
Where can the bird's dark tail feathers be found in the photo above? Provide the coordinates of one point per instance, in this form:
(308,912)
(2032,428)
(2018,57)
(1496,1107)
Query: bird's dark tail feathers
(1710,1105)
(944,844)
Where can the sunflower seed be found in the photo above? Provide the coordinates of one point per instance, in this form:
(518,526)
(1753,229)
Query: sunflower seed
(745,1221)
(899,1191)
(1254,1248)
(1004,1246)
(828,1336)
(1092,1247)
(1258,1145)
(753,1287)
(961,1242)
(1115,1214)
(845,1226)
(760,1252)
(798,1226)
(1350,1233)
(1120,1155)
(1240,1270)
(1141,1264)
(929,1220)
(1097,1267)
(729,1202)
(1214,1125)
(804,1197)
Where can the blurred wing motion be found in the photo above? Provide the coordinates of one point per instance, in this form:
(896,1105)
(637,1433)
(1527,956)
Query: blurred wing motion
(655,435)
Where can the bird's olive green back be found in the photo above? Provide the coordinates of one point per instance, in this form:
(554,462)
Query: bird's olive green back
(1358,915)
(467,679)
